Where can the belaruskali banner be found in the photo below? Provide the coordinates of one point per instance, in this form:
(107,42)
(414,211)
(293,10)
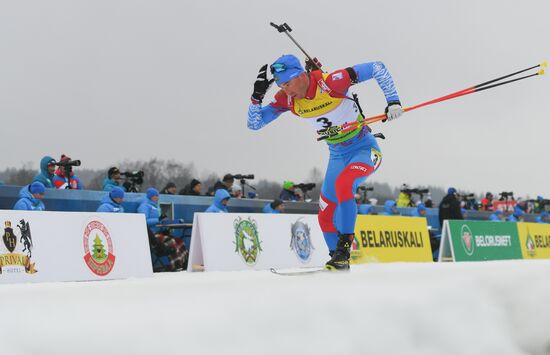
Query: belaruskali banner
(252,241)
(72,246)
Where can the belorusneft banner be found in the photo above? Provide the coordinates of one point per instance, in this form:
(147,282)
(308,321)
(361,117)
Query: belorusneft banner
(534,240)
(239,241)
(72,246)
(479,241)
(390,239)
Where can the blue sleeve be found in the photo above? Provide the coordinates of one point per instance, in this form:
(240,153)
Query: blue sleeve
(104,208)
(151,222)
(20,205)
(259,116)
(378,71)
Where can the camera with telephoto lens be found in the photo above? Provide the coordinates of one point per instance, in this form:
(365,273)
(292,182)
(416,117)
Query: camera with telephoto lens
(365,188)
(67,166)
(306,186)
(134,179)
(504,195)
(65,163)
(243,176)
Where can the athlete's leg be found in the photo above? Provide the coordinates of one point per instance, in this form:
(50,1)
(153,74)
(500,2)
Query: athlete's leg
(328,202)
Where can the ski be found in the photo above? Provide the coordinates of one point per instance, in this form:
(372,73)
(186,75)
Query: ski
(299,272)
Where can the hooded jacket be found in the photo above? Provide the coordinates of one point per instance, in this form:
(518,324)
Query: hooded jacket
(44,176)
(151,210)
(541,217)
(388,206)
(109,184)
(60,182)
(268,209)
(496,216)
(217,206)
(109,205)
(27,202)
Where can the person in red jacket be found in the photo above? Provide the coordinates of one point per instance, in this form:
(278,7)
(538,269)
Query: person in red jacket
(60,181)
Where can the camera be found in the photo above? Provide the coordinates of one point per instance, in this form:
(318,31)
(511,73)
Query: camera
(133,179)
(365,188)
(506,194)
(305,186)
(65,163)
(243,176)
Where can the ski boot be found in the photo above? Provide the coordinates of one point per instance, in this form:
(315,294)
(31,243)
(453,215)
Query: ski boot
(339,260)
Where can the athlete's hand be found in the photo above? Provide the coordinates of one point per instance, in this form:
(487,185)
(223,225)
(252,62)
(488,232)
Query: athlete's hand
(393,111)
(261,85)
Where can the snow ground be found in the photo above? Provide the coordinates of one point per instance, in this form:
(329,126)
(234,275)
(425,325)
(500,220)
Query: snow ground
(401,308)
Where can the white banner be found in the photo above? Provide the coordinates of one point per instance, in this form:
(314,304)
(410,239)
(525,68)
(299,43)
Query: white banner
(251,241)
(72,246)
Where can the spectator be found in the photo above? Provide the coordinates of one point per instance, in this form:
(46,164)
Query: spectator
(539,204)
(112,180)
(60,181)
(517,215)
(192,189)
(277,206)
(420,211)
(449,208)
(30,197)
(390,209)
(169,189)
(289,192)
(487,202)
(496,216)
(544,217)
(47,170)
(226,184)
(364,209)
(464,213)
(112,202)
(221,198)
(236,191)
(428,202)
(160,239)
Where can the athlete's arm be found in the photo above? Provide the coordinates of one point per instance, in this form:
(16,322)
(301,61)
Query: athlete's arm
(259,116)
(378,71)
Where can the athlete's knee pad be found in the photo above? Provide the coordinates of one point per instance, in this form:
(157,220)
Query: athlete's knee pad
(326,214)
(346,179)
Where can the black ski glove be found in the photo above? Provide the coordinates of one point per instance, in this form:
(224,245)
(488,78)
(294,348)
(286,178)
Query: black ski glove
(261,85)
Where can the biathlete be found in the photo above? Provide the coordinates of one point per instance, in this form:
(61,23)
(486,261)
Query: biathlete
(322,100)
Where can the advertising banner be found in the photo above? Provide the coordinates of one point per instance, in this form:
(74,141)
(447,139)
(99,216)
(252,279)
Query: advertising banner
(72,246)
(241,241)
(479,241)
(391,239)
(534,240)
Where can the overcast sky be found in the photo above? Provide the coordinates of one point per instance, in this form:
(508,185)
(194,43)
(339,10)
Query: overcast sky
(104,81)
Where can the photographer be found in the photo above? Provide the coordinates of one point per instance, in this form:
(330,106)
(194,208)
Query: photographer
(64,177)
(404,198)
(487,202)
(449,208)
(112,180)
(192,189)
(226,184)
(289,192)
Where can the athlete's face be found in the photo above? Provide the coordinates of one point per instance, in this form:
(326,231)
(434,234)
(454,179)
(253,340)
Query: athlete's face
(297,87)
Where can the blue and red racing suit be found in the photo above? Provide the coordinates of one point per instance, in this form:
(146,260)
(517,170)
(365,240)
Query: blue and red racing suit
(354,155)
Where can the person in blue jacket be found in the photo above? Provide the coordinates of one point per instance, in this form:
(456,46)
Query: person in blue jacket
(420,211)
(150,208)
(277,206)
(364,208)
(30,198)
(390,209)
(160,239)
(517,215)
(496,216)
(112,202)
(47,171)
(221,198)
(544,217)
(112,180)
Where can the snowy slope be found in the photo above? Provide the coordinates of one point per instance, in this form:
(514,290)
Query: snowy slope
(415,308)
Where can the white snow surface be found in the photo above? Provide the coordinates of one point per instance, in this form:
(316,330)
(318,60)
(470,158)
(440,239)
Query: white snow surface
(399,308)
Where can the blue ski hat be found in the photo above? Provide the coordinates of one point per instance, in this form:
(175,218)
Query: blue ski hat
(151,192)
(451,191)
(285,68)
(117,192)
(37,188)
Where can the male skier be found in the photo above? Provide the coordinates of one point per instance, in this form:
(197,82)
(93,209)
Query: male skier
(322,100)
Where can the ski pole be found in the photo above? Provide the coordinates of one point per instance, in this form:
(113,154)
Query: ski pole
(332,131)
(285,28)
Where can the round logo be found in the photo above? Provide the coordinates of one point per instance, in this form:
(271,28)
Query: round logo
(247,243)
(467,240)
(300,241)
(98,248)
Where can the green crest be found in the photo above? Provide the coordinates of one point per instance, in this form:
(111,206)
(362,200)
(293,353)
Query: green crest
(247,242)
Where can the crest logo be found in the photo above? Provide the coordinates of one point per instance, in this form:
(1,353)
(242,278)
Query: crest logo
(247,242)
(96,238)
(530,245)
(467,240)
(15,261)
(300,241)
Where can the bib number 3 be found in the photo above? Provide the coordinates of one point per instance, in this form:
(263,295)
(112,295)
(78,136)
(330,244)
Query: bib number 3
(325,122)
